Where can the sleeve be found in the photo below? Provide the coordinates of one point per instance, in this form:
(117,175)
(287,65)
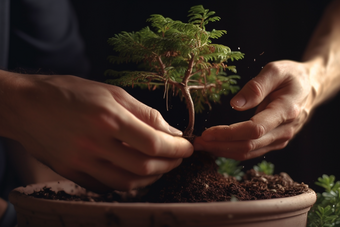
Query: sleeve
(4,31)
(45,35)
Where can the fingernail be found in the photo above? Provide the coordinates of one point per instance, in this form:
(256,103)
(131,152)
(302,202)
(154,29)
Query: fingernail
(238,101)
(208,137)
(175,131)
(198,147)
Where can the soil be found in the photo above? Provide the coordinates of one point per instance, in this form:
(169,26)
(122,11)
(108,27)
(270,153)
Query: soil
(196,180)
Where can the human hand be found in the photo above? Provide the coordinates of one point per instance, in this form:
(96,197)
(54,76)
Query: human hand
(92,133)
(283,93)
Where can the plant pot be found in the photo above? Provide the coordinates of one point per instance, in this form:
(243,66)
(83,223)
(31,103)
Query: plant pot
(288,212)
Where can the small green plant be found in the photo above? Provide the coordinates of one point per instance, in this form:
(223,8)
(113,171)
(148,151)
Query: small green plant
(326,210)
(229,167)
(264,167)
(180,57)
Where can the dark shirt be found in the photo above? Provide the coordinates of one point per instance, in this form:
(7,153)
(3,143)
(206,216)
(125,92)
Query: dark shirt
(37,35)
(43,34)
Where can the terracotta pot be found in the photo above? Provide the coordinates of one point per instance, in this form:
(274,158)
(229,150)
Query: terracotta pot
(288,212)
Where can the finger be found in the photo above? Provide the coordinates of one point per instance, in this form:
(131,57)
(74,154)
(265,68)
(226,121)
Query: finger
(278,145)
(257,89)
(83,180)
(276,113)
(131,160)
(246,149)
(146,139)
(263,105)
(143,112)
(240,131)
(117,178)
(100,175)
(232,149)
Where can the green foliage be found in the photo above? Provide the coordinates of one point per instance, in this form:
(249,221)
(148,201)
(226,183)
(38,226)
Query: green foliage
(172,53)
(229,167)
(201,17)
(265,167)
(326,210)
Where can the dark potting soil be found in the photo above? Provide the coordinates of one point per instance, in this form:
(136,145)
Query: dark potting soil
(196,180)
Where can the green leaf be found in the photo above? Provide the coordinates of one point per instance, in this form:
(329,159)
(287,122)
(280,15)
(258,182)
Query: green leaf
(265,167)
(326,210)
(230,167)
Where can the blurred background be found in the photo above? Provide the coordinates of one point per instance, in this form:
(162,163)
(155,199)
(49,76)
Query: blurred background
(264,30)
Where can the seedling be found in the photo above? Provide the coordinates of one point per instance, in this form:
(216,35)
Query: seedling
(180,57)
(229,167)
(326,210)
(264,167)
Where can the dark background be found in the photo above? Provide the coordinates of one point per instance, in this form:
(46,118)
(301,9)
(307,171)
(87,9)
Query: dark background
(265,31)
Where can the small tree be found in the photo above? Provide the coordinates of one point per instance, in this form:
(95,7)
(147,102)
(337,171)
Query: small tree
(179,56)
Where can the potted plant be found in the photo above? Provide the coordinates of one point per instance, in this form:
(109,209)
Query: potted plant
(326,210)
(179,56)
(182,58)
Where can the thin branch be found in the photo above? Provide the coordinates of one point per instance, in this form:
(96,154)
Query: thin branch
(201,87)
(189,70)
(198,71)
(159,59)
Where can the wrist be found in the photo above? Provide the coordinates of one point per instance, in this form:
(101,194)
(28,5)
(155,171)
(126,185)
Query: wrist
(316,68)
(323,80)
(10,91)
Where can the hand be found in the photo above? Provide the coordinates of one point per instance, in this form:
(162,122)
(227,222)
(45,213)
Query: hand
(92,133)
(283,94)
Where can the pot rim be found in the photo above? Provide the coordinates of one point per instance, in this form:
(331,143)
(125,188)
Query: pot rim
(304,200)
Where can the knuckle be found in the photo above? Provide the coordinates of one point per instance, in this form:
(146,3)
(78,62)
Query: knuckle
(243,156)
(273,68)
(304,114)
(248,146)
(289,134)
(147,168)
(154,116)
(258,131)
(293,113)
(271,139)
(282,145)
(256,88)
(154,145)
(104,117)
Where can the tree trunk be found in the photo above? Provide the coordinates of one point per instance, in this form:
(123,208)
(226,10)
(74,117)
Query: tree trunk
(191,109)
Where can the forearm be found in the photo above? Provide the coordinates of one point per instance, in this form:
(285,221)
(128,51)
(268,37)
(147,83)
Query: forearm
(5,96)
(323,55)
(7,89)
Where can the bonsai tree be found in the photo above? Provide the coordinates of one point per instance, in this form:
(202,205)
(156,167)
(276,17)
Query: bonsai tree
(182,58)
(179,56)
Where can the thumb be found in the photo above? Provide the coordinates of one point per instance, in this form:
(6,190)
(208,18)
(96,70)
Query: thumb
(255,91)
(153,118)
(145,113)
